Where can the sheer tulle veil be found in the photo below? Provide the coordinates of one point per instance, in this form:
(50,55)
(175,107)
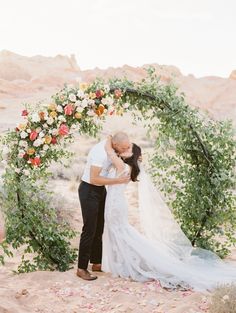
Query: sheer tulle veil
(160,226)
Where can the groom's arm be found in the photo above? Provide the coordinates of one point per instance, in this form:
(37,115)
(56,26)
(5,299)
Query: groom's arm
(96,179)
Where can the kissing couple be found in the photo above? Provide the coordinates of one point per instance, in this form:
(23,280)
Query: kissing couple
(112,245)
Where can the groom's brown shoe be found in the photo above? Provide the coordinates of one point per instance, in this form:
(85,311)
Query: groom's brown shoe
(84,274)
(97,268)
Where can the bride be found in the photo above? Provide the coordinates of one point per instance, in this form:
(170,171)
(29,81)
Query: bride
(164,253)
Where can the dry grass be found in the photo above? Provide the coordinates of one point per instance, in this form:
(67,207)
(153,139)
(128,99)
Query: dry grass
(224,299)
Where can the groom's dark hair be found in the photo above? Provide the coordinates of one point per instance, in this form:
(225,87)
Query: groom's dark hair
(133,162)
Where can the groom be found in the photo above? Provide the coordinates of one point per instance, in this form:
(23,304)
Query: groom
(92,195)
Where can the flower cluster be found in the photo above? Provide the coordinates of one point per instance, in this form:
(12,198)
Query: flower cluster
(70,109)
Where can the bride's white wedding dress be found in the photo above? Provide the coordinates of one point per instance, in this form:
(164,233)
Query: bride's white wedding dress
(164,253)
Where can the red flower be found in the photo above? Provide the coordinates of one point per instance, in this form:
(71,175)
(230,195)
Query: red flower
(117,93)
(33,135)
(99,93)
(17,129)
(54,140)
(35,161)
(68,109)
(24,113)
(25,156)
(63,130)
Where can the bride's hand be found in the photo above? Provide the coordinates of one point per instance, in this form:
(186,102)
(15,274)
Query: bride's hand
(108,145)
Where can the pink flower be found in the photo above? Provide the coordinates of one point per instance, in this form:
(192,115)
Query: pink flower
(117,93)
(33,135)
(63,130)
(99,93)
(68,109)
(24,113)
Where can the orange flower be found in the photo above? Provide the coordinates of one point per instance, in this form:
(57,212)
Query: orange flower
(53,114)
(41,115)
(35,161)
(30,151)
(48,139)
(100,109)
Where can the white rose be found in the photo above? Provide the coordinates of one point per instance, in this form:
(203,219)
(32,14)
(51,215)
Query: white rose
(59,108)
(107,88)
(21,154)
(17,170)
(78,103)
(23,143)
(50,120)
(45,147)
(23,134)
(91,101)
(5,152)
(45,125)
(26,172)
(38,142)
(28,130)
(38,129)
(61,118)
(41,134)
(126,105)
(91,113)
(84,103)
(54,132)
(80,94)
(79,109)
(35,117)
(72,97)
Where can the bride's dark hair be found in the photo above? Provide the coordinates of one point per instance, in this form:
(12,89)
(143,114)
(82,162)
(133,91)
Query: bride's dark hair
(133,162)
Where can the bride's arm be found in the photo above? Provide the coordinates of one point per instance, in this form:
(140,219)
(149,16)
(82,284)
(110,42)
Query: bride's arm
(116,161)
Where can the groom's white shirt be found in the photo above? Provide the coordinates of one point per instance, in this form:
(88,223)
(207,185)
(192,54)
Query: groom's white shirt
(97,157)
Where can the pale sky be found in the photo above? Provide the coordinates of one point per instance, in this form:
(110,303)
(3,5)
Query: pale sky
(197,36)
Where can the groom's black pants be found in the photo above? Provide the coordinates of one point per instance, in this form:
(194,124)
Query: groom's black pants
(92,201)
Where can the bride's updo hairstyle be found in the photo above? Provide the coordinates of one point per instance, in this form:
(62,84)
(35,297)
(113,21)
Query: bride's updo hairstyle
(133,162)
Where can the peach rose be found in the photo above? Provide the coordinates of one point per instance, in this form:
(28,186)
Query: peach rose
(30,151)
(78,115)
(47,139)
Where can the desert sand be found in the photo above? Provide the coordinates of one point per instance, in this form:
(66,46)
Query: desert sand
(35,79)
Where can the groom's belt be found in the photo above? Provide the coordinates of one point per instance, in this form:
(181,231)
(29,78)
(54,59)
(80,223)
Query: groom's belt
(91,185)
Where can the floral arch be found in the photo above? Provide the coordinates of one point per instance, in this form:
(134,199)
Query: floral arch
(193,162)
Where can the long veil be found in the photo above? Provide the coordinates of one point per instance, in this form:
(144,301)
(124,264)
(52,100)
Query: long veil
(160,226)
